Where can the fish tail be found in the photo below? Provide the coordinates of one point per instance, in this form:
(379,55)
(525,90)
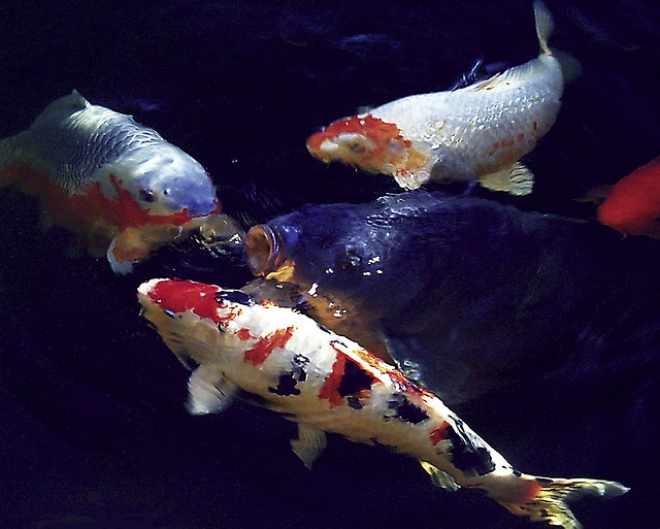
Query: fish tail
(546,499)
(544,25)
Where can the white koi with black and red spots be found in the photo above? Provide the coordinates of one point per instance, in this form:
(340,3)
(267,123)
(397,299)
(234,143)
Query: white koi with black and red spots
(282,360)
(472,134)
(118,185)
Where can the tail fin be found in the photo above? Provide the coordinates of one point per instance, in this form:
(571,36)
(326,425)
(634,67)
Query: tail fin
(547,499)
(544,25)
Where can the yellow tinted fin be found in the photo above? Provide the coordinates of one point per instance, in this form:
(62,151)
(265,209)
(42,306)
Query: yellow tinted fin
(439,477)
(309,444)
(549,503)
(516,180)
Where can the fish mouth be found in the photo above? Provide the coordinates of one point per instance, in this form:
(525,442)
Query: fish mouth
(265,249)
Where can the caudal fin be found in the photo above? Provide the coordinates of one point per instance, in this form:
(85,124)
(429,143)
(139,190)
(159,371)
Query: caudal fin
(544,25)
(548,498)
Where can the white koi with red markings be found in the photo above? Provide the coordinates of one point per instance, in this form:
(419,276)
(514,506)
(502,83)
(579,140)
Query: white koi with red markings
(473,134)
(118,185)
(280,359)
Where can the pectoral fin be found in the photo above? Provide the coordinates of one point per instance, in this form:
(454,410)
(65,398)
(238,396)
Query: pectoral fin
(516,180)
(439,477)
(208,391)
(309,444)
(125,250)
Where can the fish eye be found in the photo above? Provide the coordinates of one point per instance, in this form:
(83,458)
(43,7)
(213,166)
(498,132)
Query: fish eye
(357,147)
(349,261)
(147,195)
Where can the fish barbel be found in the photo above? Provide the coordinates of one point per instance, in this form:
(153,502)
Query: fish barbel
(118,185)
(472,134)
(282,360)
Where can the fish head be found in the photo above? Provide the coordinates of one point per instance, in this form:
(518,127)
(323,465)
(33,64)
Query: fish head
(336,262)
(316,244)
(366,142)
(167,181)
(633,205)
(192,317)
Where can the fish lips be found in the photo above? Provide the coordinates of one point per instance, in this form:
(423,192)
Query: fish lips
(268,247)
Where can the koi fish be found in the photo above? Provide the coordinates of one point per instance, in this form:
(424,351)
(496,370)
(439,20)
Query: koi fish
(632,207)
(438,284)
(282,360)
(472,134)
(118,185)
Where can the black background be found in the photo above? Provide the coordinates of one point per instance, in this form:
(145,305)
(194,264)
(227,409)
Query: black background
(92,428)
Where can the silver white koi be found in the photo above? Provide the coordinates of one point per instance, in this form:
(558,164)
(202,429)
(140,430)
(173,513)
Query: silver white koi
(472,134)
(117,184)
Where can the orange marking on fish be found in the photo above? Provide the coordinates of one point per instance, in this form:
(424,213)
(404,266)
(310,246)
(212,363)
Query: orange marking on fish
(330,389)
(88,211)
(527,493)
(439,434)
(371,127)
(260,351)
(504,144)
(244,334)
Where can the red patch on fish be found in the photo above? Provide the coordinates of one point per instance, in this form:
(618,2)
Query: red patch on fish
(89,211)
(182,295)
(373,128)
(633,205)
(264,347)
(330,389)
(369,143)
(439,434)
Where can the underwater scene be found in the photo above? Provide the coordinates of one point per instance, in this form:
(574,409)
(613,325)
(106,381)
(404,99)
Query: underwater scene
(329,265)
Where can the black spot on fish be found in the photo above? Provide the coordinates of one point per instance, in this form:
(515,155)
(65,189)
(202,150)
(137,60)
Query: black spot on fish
(406,411)
(354,402)
(323,328)
(286,386)
(287,382)
(466,454)
(339,343)
(235,296)
(517,473)
(354,379)
(298,364)
(544,481)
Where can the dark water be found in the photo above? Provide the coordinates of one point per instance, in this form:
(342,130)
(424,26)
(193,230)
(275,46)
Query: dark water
(92,427)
